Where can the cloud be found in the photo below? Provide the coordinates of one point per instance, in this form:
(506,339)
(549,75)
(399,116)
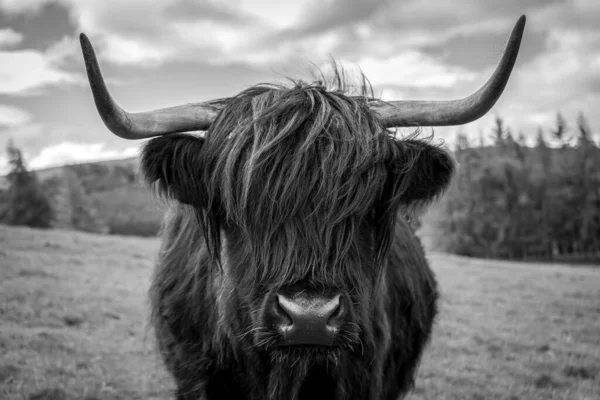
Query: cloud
(148,34)
(121,50)
(413,69)
(193,10)
(269,33)
(413,49)
(65,51)
(415,22)
(13,116)
(9,38)
(69,153)
(577,14)
(25,71)
(258,32)
(22,6)
(278,14)
(323,15)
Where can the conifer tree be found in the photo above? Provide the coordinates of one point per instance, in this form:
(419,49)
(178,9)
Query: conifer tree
(26,203)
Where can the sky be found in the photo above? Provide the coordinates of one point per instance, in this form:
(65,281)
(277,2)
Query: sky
(162,53)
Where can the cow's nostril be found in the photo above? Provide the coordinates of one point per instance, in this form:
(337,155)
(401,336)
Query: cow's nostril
(337,317)
(282,317)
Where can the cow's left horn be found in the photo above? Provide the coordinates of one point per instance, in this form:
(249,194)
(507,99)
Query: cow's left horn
(455,112)
(188,117)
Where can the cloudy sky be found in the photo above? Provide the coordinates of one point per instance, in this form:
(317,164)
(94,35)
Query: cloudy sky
(161,53)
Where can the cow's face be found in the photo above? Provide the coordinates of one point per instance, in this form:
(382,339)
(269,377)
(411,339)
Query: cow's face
(298,192)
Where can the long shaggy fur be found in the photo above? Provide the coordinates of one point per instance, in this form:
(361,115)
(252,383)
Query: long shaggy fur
(303,154)
(295,184)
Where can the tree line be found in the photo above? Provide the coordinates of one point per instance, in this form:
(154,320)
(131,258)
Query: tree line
(24,202)
(513,201)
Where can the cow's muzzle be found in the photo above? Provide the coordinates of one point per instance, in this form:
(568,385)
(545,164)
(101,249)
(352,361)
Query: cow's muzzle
(304,317)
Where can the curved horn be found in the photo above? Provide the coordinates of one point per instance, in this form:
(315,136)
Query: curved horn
(455,112)
(188,117)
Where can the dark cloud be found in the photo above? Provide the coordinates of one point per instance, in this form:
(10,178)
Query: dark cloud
(482,50)
(578,14)
(42,28)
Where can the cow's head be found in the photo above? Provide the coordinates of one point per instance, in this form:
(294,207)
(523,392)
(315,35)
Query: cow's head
(298,190)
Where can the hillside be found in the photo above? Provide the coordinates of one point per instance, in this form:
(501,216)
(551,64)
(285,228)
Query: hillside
(101,197)
(119,196)
(73,312)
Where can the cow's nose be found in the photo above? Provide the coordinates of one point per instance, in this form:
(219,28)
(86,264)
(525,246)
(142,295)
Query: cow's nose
(309,319)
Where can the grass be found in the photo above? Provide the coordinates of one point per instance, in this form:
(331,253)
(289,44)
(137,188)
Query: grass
(73,316)
(73,324)
(513,331)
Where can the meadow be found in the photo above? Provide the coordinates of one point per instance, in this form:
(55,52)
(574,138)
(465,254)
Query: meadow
(73,324)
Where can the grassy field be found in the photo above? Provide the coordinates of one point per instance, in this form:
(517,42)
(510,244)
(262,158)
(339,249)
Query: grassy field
(73,324)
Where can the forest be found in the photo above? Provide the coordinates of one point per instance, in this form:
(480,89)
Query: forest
(513,201)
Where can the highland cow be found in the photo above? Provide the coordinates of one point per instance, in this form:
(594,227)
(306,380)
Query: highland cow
(288,269)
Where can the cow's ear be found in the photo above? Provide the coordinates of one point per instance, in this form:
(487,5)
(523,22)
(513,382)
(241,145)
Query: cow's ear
(422,171)
(171,164)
